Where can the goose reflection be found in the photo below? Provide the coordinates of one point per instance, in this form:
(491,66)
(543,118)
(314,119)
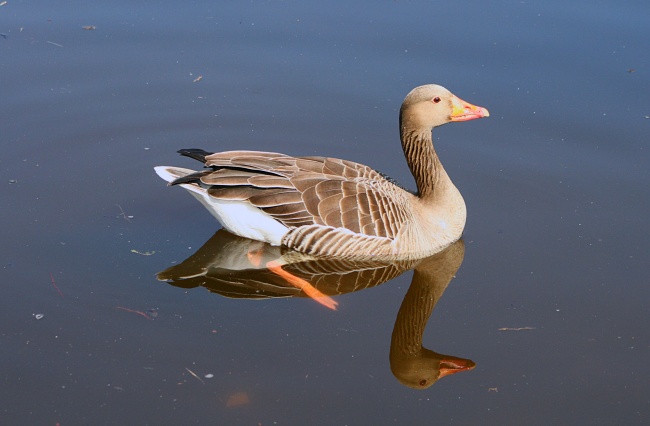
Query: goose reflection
(411,363)
(237,267)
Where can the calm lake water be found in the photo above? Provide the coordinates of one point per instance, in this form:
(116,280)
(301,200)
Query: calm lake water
(550,301)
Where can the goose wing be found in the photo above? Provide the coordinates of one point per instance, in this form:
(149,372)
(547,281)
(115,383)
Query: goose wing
(299,191)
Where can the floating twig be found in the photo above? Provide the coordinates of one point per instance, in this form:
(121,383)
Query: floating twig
(54,284)
(123,214)
(197,79)
(146,253)
(195,376)
(516,328)
(56,44)
(135,312)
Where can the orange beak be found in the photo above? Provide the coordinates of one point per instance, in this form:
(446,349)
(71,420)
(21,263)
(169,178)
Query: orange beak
(464,111)
(451,365)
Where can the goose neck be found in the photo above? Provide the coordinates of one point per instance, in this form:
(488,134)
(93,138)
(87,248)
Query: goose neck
(423,161)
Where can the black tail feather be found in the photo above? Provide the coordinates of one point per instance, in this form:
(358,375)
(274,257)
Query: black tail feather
(197,154)
(191,178)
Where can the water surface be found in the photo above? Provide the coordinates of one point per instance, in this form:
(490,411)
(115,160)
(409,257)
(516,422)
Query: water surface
(556,183)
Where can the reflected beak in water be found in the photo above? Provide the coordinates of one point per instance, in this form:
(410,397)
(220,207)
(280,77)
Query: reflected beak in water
(452,365)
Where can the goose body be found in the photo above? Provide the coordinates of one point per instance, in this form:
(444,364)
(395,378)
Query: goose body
(330,207)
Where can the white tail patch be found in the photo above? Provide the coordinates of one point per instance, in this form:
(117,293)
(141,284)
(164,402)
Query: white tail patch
(239,217)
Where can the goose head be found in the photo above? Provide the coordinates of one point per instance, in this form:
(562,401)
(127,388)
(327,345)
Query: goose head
(429,106)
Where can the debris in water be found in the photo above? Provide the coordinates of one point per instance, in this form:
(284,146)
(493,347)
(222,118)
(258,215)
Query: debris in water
(146,253)
(197,79)
(195,376)
(135,312)
(88,27)
(56,44)
(38,316)
(54,284)
(516,328)
(123,214)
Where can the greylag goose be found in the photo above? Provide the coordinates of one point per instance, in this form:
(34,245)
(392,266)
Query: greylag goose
(329,207)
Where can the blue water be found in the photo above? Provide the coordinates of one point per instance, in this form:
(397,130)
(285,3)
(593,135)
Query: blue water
(556,183)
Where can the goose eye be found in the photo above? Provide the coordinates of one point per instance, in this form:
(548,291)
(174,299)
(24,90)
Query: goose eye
(436,100)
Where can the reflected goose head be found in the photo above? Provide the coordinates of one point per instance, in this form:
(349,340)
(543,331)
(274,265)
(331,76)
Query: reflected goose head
(431,105)
(426,367)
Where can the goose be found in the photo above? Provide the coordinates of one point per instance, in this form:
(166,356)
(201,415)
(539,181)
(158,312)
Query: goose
(325,206)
